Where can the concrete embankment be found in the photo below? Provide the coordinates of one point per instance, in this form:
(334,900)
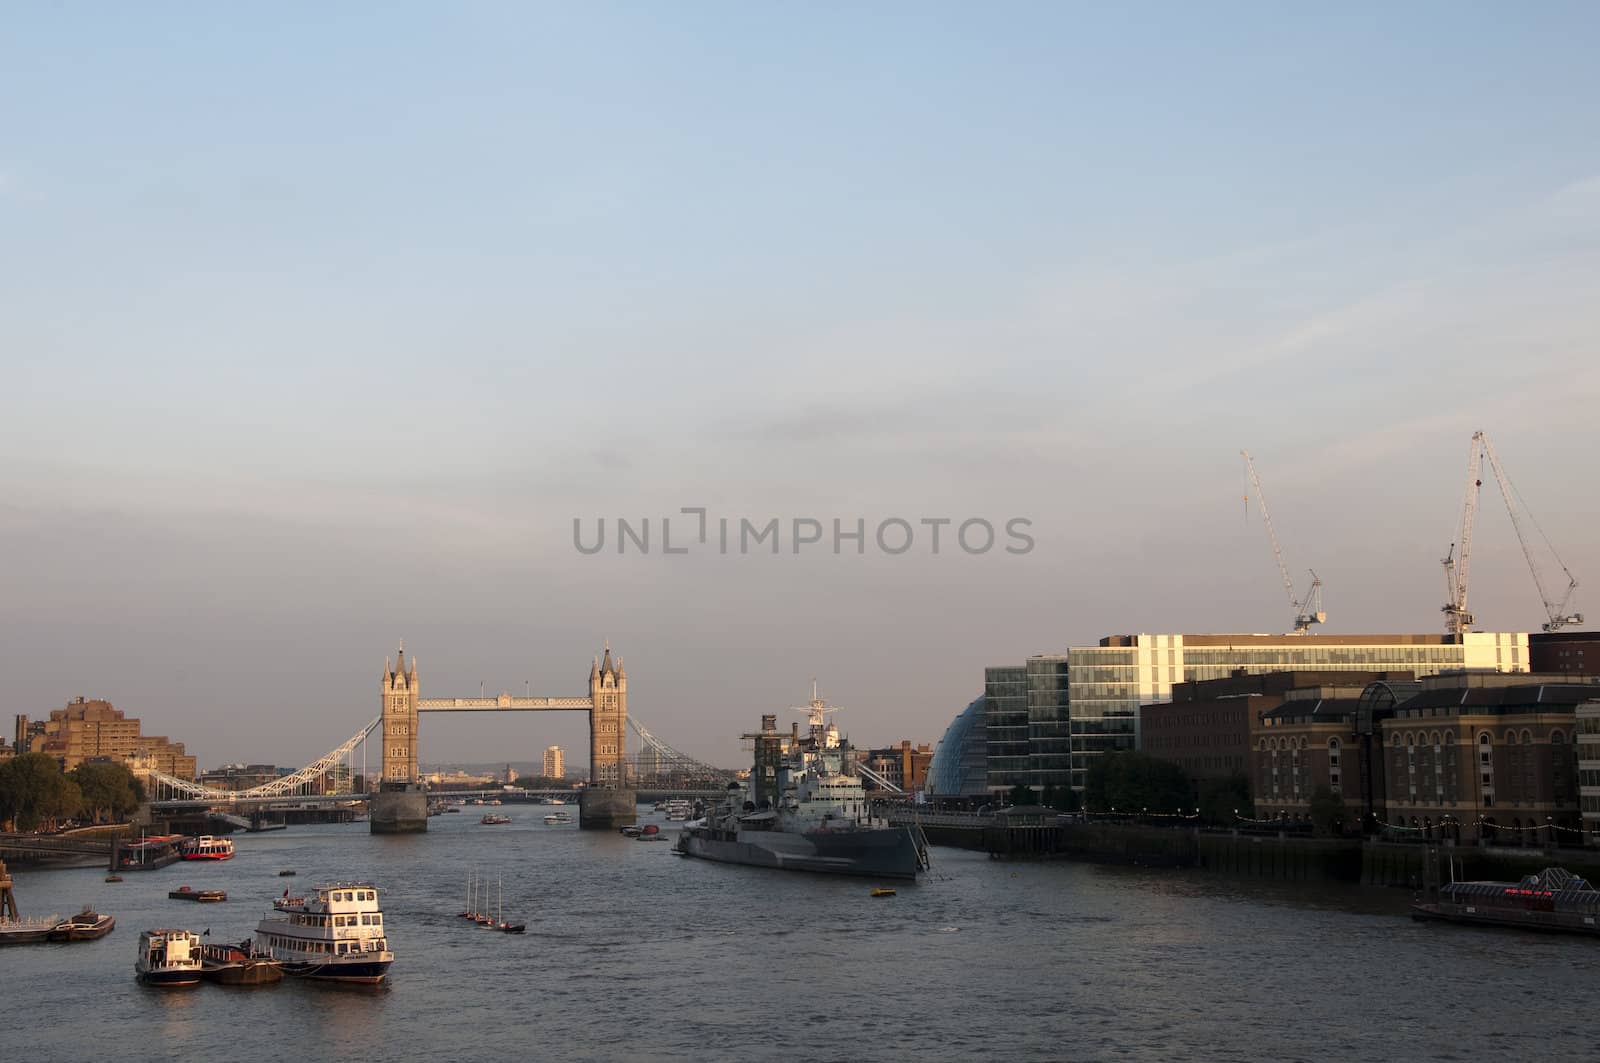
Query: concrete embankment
(1273,856)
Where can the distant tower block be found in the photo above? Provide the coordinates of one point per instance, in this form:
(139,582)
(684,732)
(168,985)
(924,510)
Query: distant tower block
(555,763)
(608,724)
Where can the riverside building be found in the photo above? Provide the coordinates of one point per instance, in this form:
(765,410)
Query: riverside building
(1459,756)
(1588,716)
(1046,719)
(92,729)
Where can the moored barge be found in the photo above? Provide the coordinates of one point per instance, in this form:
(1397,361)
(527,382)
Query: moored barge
(1553,900)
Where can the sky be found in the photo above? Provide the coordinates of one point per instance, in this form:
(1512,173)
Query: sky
(320,328)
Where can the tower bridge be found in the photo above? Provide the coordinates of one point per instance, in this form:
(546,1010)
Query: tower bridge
(399,803)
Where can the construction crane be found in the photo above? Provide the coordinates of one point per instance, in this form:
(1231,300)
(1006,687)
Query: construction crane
(1307,609)
(1456,618)
(1555,609)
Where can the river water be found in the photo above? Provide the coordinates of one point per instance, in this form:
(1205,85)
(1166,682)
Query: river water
(633,952)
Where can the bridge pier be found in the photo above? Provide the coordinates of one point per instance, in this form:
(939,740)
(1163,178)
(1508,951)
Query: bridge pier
(399,808)
(607,809)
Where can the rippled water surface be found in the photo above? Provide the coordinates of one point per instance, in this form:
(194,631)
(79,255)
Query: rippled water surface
(632,952)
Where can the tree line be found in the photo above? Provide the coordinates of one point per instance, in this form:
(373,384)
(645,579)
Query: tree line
(36,794)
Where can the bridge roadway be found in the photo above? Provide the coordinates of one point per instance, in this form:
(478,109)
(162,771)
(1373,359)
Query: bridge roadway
(519,795)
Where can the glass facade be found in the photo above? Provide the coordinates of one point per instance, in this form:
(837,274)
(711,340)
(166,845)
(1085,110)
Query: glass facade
(960,765)
(1005,696)
(1049,722)
(1049,718)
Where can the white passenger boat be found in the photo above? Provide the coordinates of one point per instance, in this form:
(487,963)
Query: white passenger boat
(205,847)
(168,958)
(334,933)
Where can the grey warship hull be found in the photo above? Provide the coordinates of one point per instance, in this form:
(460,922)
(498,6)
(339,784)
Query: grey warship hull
(889,852)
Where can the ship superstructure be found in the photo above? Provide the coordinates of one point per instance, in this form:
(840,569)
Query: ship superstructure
(804,809)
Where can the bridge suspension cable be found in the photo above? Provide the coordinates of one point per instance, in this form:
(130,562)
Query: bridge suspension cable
(277,787)
(659,763)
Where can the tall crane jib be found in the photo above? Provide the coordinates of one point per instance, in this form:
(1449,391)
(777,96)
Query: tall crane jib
(1457,619)
(1307,608)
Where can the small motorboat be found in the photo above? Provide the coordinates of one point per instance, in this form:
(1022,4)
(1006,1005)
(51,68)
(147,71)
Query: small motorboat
(883,891)
(286,872)
(189,893)
(168,958)
(113,878)
(555,818)
(494,818)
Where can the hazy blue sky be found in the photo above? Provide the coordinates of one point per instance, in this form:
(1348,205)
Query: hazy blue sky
(319,326)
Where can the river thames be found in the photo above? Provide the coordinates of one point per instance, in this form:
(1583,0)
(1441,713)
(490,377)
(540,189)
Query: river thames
(634,952)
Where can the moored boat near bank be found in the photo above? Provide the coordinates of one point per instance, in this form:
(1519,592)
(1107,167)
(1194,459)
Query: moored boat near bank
(146,854)
(1553,900)
(27,931)
(168,958)
(334,933)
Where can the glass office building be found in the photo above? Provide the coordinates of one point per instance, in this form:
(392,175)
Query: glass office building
(960,765)
(1049,718)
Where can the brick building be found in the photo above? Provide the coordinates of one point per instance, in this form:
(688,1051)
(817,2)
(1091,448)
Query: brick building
(904,765)
(91,729)
(1464,756)
(1205,729)
(1565,652)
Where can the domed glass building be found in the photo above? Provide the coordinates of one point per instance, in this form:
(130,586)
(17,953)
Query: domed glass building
(960,765)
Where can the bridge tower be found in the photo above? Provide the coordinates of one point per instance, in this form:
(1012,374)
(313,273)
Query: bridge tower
(609,802)
(400,806)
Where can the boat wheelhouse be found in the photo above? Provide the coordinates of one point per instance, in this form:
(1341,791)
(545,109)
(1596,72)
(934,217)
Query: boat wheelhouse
(335,933)
(205,847)
(168,958)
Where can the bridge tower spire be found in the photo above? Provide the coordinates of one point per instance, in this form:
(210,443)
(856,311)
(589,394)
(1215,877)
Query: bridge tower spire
(608,724)
(608,802)
(400,805)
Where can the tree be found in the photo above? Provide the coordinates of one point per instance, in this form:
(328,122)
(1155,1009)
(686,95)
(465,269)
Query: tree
(1060,798)
(33,791)
(1134,782)
(1328,814)
(1021,795)
(1219,798)
(108,790)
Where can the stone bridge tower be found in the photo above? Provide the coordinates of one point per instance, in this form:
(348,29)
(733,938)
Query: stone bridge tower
(608,723)
(609,801)
(400,806)
(400,691)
